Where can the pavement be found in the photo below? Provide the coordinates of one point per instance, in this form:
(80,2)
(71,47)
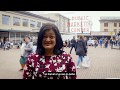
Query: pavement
(105,64)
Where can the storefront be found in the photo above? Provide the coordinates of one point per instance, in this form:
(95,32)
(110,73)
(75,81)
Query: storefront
(16,36)
(99,35)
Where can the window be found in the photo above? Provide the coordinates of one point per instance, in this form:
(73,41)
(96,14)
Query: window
(5,19)
(115,24)
(43,24)
(25,22)
(105,24)
(32,23)
(115,30)
(105,30)
(38,24)
(16,21)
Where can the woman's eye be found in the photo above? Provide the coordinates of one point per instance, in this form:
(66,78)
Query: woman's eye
(51,37)
(45,36)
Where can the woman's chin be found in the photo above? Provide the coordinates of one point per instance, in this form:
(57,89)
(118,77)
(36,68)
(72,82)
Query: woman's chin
(48,47)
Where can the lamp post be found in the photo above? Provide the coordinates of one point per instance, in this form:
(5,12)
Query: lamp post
(81,27)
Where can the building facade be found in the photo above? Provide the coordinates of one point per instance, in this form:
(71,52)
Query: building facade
(110,24)
(61,21)
(16,24)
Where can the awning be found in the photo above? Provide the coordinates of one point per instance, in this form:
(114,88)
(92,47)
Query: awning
(4,30)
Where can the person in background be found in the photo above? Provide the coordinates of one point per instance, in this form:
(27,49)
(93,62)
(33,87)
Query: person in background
(66,43)
(69,44)
(106,43)
(28,47)
(73,43)
(81,50)
(101,42)
(22,59)
(85,39)
(27,50)
(49,57)
(34,47)
(119,42)
(96,42)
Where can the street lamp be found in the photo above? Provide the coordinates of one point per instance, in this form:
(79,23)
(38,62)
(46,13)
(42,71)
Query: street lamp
(81,26)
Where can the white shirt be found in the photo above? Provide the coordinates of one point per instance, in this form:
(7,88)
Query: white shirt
(22,48)
(34,49)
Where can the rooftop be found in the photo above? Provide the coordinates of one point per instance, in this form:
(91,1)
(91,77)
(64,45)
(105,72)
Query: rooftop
(34,15)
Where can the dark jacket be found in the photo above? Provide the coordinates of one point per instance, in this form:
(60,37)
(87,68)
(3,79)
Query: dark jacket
(73,42)
(81,48)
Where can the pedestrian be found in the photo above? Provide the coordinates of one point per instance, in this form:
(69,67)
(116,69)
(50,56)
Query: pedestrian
(69,44)
(34,47)
(101,42)
(66,43)
(81,50)
(27,50)
(96,42)
(119,42)
(73,43)
(85,39)
(22,59)
(106,43)
(6,44)
(50,61)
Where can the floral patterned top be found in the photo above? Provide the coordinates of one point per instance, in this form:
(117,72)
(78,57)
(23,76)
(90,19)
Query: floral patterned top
(50,67)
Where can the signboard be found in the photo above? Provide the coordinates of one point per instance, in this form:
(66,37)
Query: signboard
(103,33)
(110,18)
(80,24)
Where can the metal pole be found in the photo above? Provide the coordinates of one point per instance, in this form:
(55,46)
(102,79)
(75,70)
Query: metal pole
(81,26)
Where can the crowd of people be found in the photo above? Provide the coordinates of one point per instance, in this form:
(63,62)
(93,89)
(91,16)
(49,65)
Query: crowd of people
(6,45)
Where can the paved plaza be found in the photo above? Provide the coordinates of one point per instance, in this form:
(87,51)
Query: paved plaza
(105,64)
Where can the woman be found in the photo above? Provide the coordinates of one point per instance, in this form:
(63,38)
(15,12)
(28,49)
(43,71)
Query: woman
(27,49)
(22,59)
(81,50)
(50,61)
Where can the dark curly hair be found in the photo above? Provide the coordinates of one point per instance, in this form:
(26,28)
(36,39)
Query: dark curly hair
(59,43)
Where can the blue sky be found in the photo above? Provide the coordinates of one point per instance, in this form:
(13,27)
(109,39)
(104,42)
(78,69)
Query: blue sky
(95,15)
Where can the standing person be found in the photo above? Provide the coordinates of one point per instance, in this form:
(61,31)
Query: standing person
(96,42)
(106,43)
(6,44)
(49,57)
(101,42)
(28,47)
(111,42)
(22,59)
(34,47)
(69,44)
(66,43)
(73,43)
(81,50)
(27,50)
(85,39)
(119,42)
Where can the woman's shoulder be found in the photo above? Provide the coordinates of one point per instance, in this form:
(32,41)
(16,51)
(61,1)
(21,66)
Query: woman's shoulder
(65,54)
(34,56)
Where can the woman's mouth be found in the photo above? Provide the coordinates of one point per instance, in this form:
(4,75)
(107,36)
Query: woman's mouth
(47,44)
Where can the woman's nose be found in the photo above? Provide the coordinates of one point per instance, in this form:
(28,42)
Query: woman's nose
(48,39)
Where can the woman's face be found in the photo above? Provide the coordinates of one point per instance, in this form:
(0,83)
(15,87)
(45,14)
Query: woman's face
(27,39)
(49,40)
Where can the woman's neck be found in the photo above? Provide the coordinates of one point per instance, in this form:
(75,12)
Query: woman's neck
(49,52)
